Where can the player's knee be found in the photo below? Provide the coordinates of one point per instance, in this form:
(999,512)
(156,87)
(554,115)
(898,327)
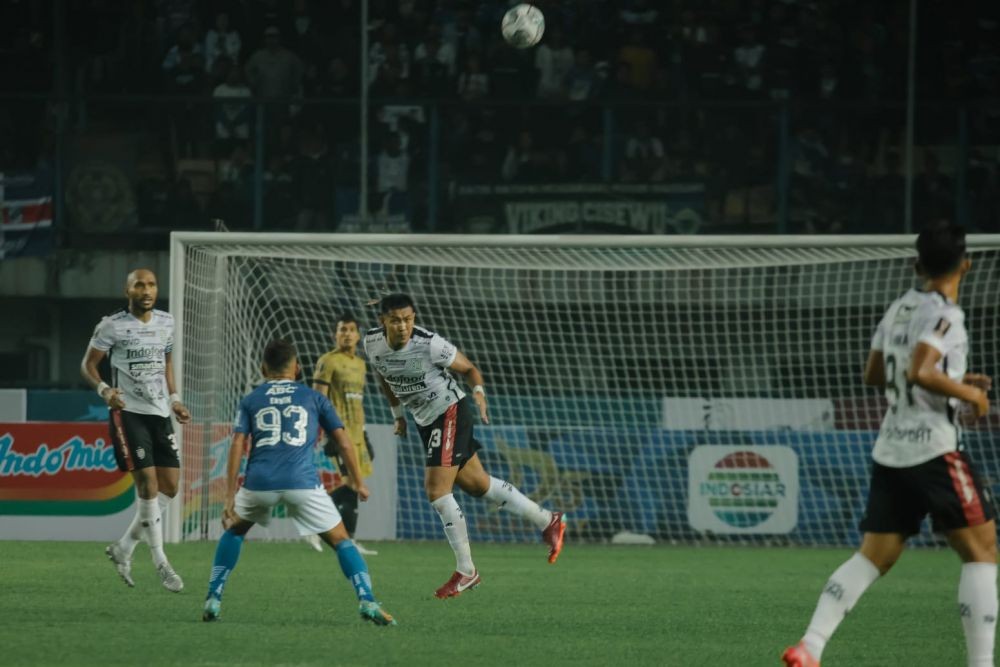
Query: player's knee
(146,485)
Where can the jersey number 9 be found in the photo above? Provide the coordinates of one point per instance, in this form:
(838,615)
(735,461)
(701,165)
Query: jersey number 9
(269,420)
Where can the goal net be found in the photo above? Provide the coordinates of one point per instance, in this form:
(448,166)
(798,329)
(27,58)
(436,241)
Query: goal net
(680,388)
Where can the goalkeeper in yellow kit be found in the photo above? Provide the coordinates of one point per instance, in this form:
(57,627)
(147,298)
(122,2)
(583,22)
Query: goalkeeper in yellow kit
(340,376)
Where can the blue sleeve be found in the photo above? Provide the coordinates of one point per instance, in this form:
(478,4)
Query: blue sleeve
(242,422)
(328,418)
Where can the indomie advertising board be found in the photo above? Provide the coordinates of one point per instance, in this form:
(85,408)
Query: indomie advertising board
(59,481)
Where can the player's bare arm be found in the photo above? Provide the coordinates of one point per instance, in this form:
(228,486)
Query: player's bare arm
(474,378)
(874,374)
(351,462)
(237,449)
(924,373)
(176,405)
(984,382)
(88,369)
(394,405)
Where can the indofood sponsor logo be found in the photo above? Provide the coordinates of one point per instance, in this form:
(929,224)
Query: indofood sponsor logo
(743,489)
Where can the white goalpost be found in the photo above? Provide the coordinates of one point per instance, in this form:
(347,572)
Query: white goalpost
(680,388)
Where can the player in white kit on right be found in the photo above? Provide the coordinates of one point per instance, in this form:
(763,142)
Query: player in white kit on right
(919,355)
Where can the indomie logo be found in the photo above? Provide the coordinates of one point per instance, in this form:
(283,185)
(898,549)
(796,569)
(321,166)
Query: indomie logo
(743,489)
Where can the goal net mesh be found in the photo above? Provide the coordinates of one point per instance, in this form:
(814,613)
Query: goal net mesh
(686,393)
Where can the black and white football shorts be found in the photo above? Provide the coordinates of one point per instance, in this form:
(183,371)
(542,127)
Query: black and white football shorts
(946,487)
(143,441)
(448,439)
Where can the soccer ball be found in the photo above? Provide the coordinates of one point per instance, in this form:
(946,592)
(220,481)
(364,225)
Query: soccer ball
(523,25)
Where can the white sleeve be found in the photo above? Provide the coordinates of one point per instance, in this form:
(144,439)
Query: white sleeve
(104,335)
(944,332)
(442,352)
(878,339)
(169,347)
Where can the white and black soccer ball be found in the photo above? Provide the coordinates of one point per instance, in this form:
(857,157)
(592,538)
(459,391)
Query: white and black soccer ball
(523,26)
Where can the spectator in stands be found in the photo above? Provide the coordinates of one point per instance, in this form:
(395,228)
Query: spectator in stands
(638,13)
(933,195)
(473,82)
(313,181)
(392,178)
(339,80)
(222,41)
(379,51)
(232,119)
(274,71)
(184,64)
(307,40)
(435,61)
(748,62)
(392,79)
(525,162)
(641,60)
(644,157)
(553,60)
(582,83)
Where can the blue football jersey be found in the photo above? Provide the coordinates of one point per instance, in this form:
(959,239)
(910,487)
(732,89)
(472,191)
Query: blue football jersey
(283,419)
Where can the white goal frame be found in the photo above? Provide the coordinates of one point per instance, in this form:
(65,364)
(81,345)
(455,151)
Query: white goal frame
(854,247)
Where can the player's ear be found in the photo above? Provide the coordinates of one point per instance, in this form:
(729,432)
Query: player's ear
(263,370)
(966,265)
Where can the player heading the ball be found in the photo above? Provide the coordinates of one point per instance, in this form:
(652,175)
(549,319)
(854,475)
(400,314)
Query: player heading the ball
(414,367)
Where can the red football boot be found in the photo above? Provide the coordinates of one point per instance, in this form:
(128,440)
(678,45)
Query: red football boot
(553,535)
(799,656)
(457,584)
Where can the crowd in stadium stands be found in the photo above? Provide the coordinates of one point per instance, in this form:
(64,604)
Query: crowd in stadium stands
(692,86)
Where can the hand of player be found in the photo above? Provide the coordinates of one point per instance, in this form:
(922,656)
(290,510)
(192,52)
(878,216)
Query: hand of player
(400,429)
(980,405)
(984,382)
(113,397)
(362,490)
(229,512)
(480,400)
(181,412)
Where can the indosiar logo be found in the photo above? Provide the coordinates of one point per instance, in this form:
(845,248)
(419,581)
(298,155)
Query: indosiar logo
(744,489)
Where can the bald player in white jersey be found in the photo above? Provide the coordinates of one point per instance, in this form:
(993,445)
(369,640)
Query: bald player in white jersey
(415,369)
(141,398)
(919,354)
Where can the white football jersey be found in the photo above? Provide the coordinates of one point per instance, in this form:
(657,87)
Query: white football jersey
(418,372)
(919,424)
(137,353)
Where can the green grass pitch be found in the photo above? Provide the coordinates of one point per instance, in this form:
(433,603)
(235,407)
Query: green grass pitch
(62,604)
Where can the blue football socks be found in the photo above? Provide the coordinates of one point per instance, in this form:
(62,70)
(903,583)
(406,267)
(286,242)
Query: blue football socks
(227,553)
(355,569)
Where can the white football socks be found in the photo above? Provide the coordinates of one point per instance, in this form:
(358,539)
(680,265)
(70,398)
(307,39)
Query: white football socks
(839,595)
(977,605)
(456,531)
(152,529)
(133,534)
(507,497)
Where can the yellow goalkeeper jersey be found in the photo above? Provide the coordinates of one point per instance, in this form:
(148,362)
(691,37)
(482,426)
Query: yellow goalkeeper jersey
(344,377)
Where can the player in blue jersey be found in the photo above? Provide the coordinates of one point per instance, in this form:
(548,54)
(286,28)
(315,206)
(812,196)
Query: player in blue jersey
(282,419)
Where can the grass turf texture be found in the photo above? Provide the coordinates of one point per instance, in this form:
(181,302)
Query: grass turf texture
(61,603)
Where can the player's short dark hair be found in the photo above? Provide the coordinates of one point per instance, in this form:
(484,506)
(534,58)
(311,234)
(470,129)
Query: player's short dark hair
(940,248)
(279,354)
(347,316)
(395,302)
